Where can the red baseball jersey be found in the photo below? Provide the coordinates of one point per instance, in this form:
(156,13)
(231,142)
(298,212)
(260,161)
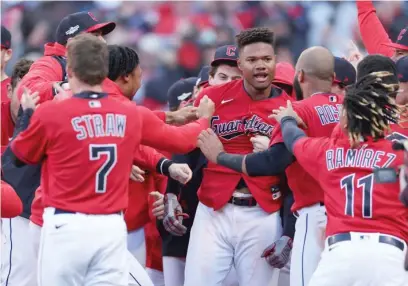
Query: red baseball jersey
(37,208)
(321,113)
(7,125)
(353,199)
(4,90)
(99,132)
(236,119)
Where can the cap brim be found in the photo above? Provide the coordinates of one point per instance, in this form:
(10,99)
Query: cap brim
(396,46)
(220,61)
(5,47)
(105,28)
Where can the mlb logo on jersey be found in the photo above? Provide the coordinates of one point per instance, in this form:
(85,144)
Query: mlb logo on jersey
(95,104)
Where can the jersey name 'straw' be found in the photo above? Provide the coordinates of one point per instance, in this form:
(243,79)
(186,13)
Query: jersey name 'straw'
(95,125)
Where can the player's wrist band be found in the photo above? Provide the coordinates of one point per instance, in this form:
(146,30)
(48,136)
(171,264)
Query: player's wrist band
(54,90)
(163,166)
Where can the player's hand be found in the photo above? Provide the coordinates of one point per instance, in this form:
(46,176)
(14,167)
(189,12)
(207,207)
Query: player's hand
(260,143)
(180,172)
(278,253)
(206,108)
(173,216)
(210,145)
(182,116)
(282,112)
(29,100)
(354,56)
(62,91)
(158,204)
(136,174)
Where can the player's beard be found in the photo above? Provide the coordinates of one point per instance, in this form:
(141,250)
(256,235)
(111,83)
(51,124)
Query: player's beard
(298,89)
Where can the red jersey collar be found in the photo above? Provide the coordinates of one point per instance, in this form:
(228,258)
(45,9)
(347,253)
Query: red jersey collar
(54,49)
(113,90)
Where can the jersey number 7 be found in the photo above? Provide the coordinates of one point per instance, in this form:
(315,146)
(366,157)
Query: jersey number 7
(365,184)
(95,153)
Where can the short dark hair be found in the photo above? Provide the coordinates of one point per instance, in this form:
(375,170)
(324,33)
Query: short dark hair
(214,68)
(88,57)
(370,107)
(255,35)
(20,69)
(122,61)
(378,63)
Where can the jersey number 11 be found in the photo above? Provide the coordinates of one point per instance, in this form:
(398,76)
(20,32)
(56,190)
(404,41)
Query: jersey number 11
(365,184)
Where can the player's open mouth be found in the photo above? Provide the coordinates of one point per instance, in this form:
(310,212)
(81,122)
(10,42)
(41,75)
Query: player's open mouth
(261,77)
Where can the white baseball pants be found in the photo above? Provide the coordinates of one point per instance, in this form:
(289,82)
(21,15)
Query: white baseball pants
(361,261)
(308,244)
(233,235)
(18,260)
(83,250)
(137,245)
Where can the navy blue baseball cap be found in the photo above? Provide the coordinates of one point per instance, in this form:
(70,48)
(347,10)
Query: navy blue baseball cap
(402,69)
(402,41)
(203,76)
(227,53)
(5,38)
(76,23)
(345,72)
(181,90)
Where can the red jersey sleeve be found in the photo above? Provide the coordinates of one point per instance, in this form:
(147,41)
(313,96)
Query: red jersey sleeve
(41,77)
(29,146)
(310,153)
(371,30)
(11,205)
(147,158)
(161,115)
(159,135)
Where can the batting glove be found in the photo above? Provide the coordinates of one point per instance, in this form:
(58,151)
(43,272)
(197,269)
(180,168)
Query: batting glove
(173,216)
(278,253)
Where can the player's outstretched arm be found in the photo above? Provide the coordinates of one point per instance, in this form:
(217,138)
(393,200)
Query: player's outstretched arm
(182,139)
(270,162)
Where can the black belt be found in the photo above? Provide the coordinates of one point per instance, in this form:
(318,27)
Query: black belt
(60,211)
(243,202)
(382,239)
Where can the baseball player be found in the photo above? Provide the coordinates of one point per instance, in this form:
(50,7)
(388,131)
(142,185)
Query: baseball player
(366,242)
(85,53)
(374,36)
(6,54)
(223,69)
(319,111)
(17,260)
(238,214)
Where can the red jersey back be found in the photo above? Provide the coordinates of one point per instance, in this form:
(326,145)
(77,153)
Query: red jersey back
(7,125)
(321,113)
(84,142)
(236,119)
(353,199)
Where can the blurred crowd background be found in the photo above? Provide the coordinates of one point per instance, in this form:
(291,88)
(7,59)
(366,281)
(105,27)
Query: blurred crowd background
(174,39)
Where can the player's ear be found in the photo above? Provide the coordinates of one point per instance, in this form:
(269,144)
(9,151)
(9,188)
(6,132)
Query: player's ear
(126,78)
(301,76)
(239,64)
(8,55)
(333,76)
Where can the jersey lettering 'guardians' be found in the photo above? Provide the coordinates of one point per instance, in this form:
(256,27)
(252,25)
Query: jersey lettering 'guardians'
(97,125)
(360,158)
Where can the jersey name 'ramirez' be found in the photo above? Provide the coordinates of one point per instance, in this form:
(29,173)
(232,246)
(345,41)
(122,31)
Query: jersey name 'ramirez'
(361,158)
(95,125)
